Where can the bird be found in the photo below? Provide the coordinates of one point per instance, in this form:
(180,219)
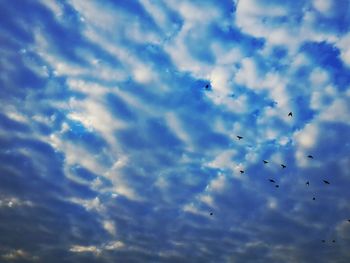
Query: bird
(313,198)
(283,166)
(277,186)
(272,181)
(290,114)
(241,171)
(323,240)
(207,86)
(307,183)
(239,137)
(211,213)
(310,156)
(349,220)
(265,161)
(326,182)
(333,241)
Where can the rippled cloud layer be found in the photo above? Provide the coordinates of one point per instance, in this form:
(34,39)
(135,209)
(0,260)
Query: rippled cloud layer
(119,124)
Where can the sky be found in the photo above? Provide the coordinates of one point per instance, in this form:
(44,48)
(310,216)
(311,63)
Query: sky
(119,122)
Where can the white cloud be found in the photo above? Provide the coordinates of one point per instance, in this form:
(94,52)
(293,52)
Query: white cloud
(76,154)
(343,230)
(237,104)
(193,13)
(158,13)
(196,20)
(121,185)
(54,6)
(324,6)
(272,203)
(218,184)
(259,20)
(247,75)
(319,77)
(13,202)
(109,226)
(19,254)
(143,74)
(190,208)
(344,45)
(250,17)
(114,245)
(97,250)
(16,116)
(84,249)
(223,160)
(221,80)
(98,15)
(338,111)
(162,183)
(125,189)
(175,124)
(226,56)
(92,204)
(46,51)
(307,137)
(207,199)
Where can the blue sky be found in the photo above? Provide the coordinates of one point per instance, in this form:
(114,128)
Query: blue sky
(113,149)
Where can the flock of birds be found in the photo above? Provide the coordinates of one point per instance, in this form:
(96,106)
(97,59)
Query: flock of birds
(290,114)
(283,165)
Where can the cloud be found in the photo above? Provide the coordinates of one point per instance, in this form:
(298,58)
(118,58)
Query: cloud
(82,249)
(119,127)
(19,255)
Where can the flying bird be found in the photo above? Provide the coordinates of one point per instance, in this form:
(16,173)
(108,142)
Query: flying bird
(310,156)
(272,181)
(349,220)
(241,171)
(333,241)
(290,114)
(211,213)
(239,137)
(307,183)
(207,86)
(277,186)
(283,166)
(313,198)
(265,161)
(325,181)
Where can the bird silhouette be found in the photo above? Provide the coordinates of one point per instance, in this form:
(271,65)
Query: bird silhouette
(277,186)
(333,241)
(265,161)
(290,114)
(239,137)
(272,181)
(283,166)
(310,156)
(313,198)
(211,214)
(349,220)
(241,171)
(307,183)
(326,182)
